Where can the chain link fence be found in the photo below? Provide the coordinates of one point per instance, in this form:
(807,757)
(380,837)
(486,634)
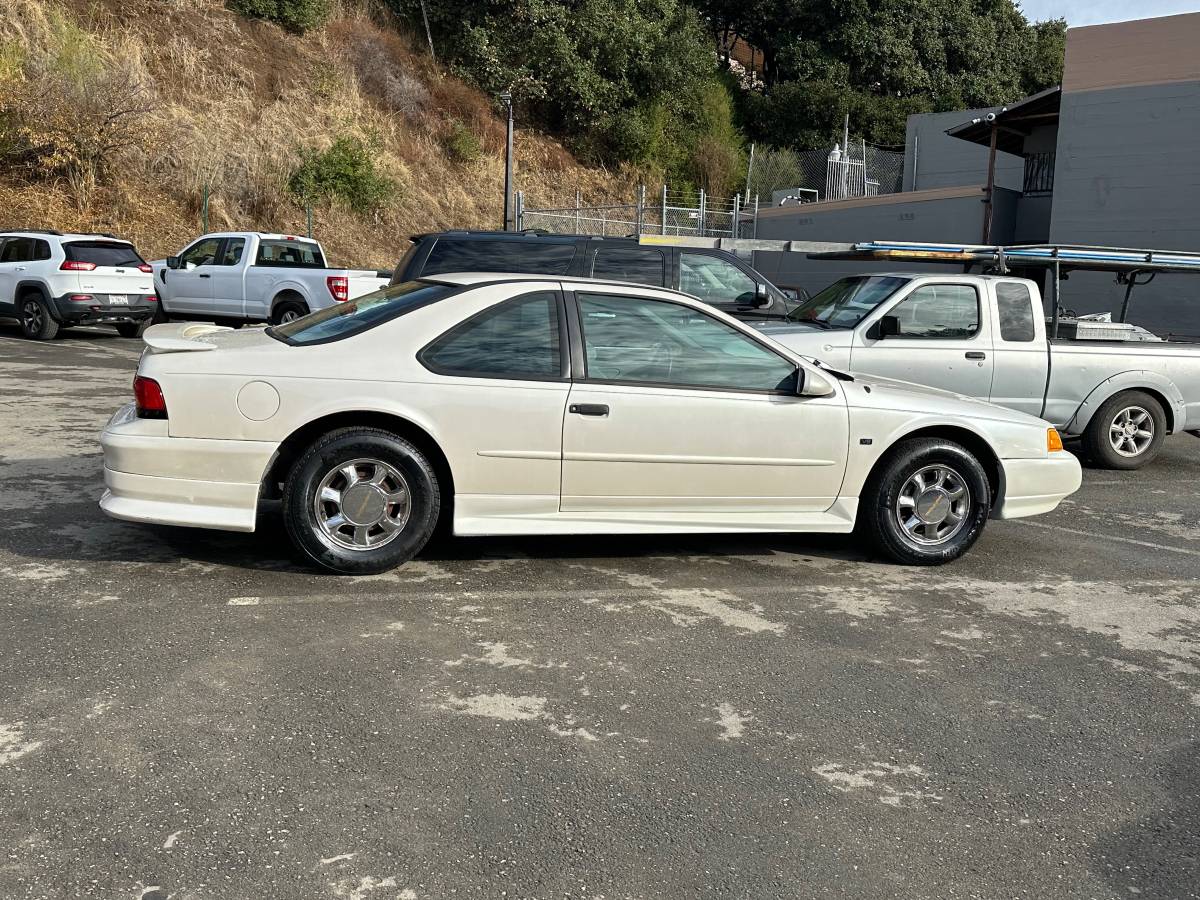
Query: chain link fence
(667,212)
(776,177)
(782,176)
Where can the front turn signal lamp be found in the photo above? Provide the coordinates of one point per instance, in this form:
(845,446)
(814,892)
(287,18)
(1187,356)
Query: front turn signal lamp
(1053,440)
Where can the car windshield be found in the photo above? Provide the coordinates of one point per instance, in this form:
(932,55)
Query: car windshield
(846,302)
(356,316)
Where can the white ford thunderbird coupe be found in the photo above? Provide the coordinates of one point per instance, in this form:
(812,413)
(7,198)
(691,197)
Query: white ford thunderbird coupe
(541,405)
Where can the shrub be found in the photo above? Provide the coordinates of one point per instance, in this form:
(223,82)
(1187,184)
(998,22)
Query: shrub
(462,144)
(345,173)
(61,121)
(295,15)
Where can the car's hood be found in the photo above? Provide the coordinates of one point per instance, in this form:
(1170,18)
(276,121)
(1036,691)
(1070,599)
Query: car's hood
(905,394)
(831,346)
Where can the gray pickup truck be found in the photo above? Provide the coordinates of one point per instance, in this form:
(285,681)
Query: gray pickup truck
(1117,387)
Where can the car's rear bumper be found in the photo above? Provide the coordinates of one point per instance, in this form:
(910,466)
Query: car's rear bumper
(1033,486)
(150,477)
(100,311)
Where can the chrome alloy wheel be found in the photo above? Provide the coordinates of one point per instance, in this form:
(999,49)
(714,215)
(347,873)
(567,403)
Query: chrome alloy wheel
(932,506)
(1131,431)
(362,504)
(32,317)
(288,315)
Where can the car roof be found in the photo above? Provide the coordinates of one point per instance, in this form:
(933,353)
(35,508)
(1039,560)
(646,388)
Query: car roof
(66,236)
(529,234)
(465,279)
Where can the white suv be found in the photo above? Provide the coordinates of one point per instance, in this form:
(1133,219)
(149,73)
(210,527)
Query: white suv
(50,280)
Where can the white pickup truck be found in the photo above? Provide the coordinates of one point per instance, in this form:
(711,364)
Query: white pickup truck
(1117,387)
(247,276)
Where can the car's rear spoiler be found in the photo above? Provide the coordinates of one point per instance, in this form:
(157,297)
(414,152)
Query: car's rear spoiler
(175,337)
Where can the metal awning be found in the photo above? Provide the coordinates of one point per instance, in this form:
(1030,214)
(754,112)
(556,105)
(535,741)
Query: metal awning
(1013,123)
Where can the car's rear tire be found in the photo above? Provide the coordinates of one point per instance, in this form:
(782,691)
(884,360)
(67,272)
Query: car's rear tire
(36,321)
(287,311)
(927,503)
(367,522)
(1126,432)
(129,329)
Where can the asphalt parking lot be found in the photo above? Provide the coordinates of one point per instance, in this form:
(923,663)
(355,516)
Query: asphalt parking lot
(191,714)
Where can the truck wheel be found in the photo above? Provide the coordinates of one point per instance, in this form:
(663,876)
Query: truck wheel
(288,311)
(36,322)
(361,501)
(160,314)
(927,504)
(1126,432)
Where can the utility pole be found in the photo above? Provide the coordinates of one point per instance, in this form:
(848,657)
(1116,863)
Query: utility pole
(428,33)
(506,99)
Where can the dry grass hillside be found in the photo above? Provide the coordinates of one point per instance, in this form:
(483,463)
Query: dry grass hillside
(172,95)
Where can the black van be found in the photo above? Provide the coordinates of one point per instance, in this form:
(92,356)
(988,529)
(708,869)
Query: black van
(715,276)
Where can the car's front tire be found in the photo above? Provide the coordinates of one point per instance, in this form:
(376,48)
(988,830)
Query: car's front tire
(37,323)
(928,502)
(361,501)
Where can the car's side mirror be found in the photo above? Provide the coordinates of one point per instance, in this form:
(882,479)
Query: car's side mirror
(812,384)
(762,297)
(173,262)
(887,326)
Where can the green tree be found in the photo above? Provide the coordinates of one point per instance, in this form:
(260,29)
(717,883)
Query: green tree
(619,79)
(296,15)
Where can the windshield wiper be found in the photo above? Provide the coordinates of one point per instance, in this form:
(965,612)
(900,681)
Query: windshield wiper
(820,323)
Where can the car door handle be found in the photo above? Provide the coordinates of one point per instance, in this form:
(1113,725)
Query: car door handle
(588,409)
(202,275)
(976,354)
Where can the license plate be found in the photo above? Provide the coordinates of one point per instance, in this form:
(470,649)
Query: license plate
(118,299)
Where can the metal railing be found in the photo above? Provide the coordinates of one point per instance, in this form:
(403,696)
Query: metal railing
(670,213)
(1039,174)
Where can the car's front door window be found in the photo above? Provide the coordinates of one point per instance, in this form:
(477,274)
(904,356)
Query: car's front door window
(647,341)
(716,281)
(201,253)
(939,311)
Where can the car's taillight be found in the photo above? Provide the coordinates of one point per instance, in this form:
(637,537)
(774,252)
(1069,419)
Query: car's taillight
(339,287)
(81,298)
(150,401)
(151,298)
(74,265)
(144,267)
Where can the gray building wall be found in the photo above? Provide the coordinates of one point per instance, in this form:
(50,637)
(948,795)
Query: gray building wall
(933,159)
(1127,174)
(945,216)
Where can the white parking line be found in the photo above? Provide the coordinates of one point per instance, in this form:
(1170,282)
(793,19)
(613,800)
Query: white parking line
(1110,537)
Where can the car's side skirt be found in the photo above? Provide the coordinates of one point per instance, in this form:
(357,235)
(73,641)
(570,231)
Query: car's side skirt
(478,515)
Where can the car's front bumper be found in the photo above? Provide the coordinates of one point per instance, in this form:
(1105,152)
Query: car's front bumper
(1034,486)
(151,477)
